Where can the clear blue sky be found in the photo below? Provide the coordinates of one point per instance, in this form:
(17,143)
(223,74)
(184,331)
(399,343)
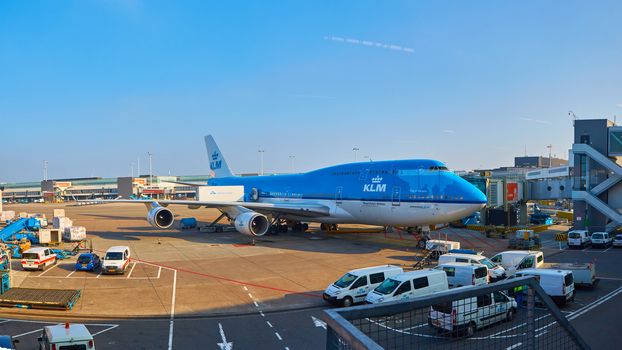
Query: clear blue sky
(93,85)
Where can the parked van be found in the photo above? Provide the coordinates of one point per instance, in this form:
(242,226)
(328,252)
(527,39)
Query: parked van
(38,258)
(495,271)
(116,260)
(467,315)
(558,284)
(578,238)
(601,239)
(354,285)
(464,274)
(67,336)
(514,260)
(408,285)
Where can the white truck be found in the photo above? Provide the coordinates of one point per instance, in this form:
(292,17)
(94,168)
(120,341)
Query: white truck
(515,260)
(66,336)
(584,273)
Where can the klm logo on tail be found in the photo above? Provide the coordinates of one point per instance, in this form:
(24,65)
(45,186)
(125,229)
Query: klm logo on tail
(215,163)
(375,186)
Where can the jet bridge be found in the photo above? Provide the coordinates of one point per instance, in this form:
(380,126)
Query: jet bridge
(597,191)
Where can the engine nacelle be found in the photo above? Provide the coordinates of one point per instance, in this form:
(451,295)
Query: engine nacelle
(252,223)
(160,217)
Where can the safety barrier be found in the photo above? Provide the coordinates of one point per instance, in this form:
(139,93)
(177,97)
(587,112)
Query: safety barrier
(501,315)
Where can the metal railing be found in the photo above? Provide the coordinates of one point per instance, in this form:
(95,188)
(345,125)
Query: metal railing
(511,314)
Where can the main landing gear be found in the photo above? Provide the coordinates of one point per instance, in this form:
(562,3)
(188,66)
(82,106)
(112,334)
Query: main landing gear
(328,227)
(282,226)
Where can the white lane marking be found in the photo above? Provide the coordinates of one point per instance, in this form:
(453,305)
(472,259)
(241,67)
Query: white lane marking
(418,326)
(99,274)
(23,334)
(250,296)
(513,346)
(71,273)
(594,304)
(609,278)
(606,250)
(256,305)
(172,321)
(403,331)
(539,334)
(246,289)
(131,270)
(225,345)
(318,323)
(48,270)
(261,313)
(286,348)
(269,324)
(278,335)
(159,270)
(107,329)
(5,321)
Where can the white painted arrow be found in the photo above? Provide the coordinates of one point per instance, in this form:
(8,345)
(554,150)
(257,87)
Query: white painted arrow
(224,345)
(318,323)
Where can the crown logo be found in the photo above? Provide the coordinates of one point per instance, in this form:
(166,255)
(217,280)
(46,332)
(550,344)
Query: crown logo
(214,155)
(376,179)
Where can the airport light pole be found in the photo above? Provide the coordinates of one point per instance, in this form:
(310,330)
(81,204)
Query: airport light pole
(45,170)
(132,169)
(138,168)
(291,158)
(261,152)
(150,169)
(550,147)
(355,149)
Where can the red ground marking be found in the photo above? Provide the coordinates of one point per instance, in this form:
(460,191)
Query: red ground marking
(480,239)
(225,278)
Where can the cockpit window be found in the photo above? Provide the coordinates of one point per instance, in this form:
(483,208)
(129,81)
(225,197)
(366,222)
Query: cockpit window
(442,168)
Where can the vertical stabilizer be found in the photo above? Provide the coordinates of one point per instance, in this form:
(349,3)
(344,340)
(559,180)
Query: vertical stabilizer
(217,163)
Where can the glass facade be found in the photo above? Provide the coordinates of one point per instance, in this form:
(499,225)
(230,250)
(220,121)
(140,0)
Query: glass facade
(615,141)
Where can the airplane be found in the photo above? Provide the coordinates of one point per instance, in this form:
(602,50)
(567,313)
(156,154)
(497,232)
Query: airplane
(398,193)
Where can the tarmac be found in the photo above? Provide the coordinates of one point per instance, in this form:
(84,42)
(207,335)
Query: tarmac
(189,289)
(206,272)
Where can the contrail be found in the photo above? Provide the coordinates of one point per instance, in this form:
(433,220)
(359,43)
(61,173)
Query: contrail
(369,43)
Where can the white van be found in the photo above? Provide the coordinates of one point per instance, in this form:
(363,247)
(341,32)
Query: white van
(67,336)
(514,260)
(354,285)
(578,238)
(495,271)
(116,260)
(409,285)
(601,239)
(465,316)
(38,258)
(464,274)
(558,284)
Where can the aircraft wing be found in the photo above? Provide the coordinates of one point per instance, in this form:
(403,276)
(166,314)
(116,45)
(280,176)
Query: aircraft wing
(301,209)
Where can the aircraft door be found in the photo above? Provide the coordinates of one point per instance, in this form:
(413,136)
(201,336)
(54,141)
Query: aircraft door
(395,198)
(339,194)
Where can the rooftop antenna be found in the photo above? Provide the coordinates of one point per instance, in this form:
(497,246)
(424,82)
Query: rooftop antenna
(550,147)
(574,116)
(525,150)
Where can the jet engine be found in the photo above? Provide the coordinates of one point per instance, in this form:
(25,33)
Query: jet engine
(252,223)
(160,217)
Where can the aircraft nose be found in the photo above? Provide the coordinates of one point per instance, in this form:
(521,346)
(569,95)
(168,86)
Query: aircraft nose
(472,194)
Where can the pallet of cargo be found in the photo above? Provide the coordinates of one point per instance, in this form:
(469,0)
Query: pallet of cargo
(32,298)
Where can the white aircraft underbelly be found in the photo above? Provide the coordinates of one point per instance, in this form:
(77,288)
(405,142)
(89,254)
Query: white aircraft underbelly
(387,213)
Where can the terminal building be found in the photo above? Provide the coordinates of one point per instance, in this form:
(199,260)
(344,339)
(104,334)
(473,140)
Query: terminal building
(61,190)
